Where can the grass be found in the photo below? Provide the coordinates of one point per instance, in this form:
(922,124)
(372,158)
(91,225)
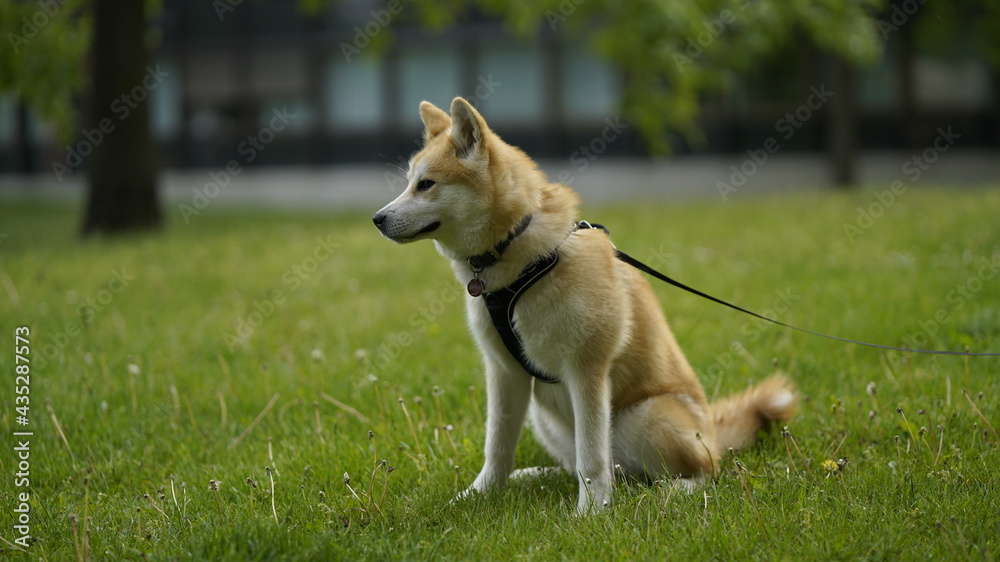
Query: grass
(205,393)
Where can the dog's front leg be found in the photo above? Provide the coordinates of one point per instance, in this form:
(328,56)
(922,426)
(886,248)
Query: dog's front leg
(507,396)
(591,395)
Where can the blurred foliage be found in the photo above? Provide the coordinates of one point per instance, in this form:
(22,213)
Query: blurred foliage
(43,62)
(971,23)
(673,52)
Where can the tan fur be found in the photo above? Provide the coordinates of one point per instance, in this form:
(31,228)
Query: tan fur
(738,418)
(627,394)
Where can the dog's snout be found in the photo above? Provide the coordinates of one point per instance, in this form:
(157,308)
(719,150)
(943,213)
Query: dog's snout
(379,219)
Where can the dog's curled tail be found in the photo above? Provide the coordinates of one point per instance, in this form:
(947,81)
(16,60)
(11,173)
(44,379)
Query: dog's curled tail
(738,418)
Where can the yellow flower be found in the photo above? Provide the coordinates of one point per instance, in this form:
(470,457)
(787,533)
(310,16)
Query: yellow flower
(830,465)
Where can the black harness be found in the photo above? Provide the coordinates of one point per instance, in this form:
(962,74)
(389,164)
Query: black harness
(500,303)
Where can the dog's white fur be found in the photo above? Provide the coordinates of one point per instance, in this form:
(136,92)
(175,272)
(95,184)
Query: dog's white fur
(626,395)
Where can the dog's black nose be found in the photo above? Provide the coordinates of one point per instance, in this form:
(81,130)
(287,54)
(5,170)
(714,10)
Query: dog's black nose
(378,219)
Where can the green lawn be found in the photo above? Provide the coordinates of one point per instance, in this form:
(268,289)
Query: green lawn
(259,350)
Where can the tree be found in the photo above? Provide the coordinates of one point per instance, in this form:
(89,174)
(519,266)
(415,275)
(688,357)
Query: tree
(123,172)
(45,69)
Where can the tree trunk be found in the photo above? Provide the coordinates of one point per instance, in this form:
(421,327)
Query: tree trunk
(907,87)
(24,153)
(123,168)
(842,132)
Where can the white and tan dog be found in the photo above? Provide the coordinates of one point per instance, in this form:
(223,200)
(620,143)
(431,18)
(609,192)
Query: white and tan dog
(626,394)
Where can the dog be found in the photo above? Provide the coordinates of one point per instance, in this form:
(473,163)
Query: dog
(625,397)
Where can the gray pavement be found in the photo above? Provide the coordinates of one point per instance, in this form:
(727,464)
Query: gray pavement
(718,177)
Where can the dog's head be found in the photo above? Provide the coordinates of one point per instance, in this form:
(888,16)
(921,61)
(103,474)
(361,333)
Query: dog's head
(453,184)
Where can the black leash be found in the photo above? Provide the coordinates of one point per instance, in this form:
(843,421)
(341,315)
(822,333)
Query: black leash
(500,303)
(649,270)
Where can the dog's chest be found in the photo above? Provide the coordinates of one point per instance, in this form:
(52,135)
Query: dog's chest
(540,326)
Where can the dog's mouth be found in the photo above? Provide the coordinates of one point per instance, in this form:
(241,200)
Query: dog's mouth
(425,230)
(429,228)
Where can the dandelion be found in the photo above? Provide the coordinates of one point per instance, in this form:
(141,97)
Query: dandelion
(213,486)
(270,476)
(834,466)
(133,369)
(788,435)
(317,354)
(73,520)
(870,389)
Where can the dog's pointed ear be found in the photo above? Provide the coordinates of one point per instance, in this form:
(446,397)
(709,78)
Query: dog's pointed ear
(468,130)
(435,120)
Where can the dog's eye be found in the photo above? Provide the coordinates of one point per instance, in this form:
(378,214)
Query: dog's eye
(424,185)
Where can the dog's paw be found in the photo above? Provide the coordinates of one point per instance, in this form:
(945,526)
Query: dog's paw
(595,497)
(535,472)
(470,492)
(591,508)
(687,485)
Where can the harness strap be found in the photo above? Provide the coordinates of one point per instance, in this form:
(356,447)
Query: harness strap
(500,304)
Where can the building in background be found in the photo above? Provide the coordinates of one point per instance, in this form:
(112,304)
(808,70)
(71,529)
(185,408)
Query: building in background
(233,65)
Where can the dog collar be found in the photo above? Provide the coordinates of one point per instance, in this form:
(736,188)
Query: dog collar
(484,260)
(481,261)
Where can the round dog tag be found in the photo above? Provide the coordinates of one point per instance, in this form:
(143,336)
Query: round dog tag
(476,287)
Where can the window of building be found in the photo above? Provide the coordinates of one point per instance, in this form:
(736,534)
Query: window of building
(353,93)
(591,88)
(430,74)
(509,86)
